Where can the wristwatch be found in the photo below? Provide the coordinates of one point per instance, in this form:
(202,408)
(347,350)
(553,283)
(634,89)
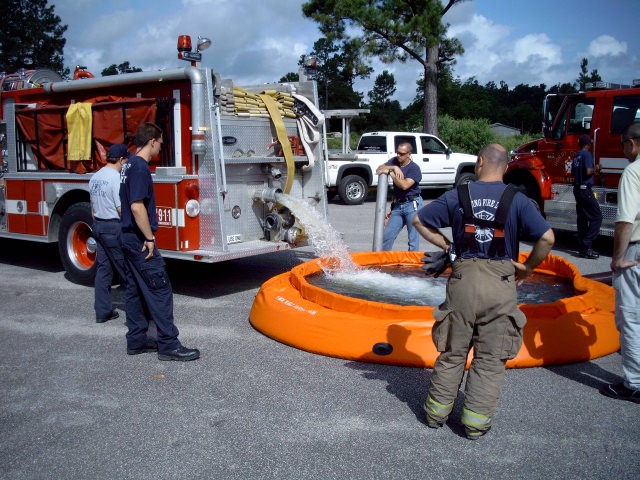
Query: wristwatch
(153,240)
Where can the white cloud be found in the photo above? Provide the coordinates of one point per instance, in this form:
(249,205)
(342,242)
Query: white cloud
(254,42)
(483,43)
(606,45)
(538,46)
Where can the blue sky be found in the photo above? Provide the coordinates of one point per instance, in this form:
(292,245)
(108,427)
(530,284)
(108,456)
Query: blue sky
(516,41)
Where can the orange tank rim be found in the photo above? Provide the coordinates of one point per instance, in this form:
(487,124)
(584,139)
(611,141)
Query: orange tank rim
(292,311)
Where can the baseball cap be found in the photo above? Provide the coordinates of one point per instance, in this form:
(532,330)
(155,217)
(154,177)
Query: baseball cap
(118,150)
(584,139)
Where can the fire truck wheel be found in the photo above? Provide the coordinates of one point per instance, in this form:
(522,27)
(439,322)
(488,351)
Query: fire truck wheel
(76,244)
(353,190)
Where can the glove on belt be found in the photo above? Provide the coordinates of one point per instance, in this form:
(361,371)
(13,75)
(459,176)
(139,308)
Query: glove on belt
(435,263)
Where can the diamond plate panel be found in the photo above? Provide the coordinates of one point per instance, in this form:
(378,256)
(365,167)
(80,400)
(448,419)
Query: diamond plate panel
(561,210)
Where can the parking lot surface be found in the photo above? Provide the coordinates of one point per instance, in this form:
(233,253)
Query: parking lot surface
(73,405)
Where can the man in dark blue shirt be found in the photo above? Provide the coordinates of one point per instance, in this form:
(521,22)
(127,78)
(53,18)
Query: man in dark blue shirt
(406,177)
(481,309)
(149,293)
(589,216)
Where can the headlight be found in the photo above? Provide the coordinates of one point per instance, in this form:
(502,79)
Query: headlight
(192,208)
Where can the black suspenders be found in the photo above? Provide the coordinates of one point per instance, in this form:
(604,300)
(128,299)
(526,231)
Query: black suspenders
(497,247)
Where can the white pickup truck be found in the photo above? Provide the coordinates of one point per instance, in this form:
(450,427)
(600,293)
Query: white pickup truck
(351,174)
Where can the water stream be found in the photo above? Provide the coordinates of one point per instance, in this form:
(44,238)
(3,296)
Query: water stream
(325,239)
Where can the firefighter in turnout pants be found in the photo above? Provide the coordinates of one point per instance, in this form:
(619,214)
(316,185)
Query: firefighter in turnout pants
(149,294)
(480,310)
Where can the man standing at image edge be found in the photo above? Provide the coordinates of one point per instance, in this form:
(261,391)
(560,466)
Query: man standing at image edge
(625,264)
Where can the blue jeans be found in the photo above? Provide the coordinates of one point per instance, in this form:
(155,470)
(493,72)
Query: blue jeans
(627,287)
(109,257)
(401,215)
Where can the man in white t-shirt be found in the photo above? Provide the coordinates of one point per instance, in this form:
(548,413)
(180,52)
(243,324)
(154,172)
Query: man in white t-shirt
(625,265)
(104,188)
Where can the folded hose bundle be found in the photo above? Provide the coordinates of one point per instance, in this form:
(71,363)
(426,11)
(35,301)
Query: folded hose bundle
(242,103)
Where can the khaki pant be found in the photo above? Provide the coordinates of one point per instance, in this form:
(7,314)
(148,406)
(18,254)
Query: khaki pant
(480,311)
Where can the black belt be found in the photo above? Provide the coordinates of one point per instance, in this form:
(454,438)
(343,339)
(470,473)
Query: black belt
(106,220)
(409,199)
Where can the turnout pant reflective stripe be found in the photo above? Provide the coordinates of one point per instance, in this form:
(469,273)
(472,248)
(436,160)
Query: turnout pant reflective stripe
(436,410)
(475,421)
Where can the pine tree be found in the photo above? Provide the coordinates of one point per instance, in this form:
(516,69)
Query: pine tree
(31,36)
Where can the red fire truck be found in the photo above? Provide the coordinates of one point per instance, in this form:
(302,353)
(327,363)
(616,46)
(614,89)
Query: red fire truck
(229,155)
(540,167)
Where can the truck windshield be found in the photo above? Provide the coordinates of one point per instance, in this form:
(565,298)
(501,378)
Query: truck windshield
(581,116)
(550,109)
(574,119)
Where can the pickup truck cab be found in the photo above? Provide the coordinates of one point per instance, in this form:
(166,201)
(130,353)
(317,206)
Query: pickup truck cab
(352,174)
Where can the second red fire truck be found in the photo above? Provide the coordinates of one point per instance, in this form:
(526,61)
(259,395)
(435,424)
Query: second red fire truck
(540,167)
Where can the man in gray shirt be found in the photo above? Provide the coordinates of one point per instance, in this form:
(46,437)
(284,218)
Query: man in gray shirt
(104,188)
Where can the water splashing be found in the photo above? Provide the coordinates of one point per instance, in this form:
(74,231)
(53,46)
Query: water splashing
(323,237)
(341,272)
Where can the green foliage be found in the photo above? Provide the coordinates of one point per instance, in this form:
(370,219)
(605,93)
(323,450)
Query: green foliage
(383,88)
(31,37)
(511,143)
(469,136)
(520,107)
(335,143)
(393,30)
(339,65)
(289,77)
(124,67)
(466,135)
(584,77)
(385,113)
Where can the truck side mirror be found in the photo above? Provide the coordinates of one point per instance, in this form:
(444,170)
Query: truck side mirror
(448,151)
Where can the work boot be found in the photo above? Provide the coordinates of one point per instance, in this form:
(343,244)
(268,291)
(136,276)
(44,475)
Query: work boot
(590,254)
(473,434)
(431,421)
(112,316)
(620,392)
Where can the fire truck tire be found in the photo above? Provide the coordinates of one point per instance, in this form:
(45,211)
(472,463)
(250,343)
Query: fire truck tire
(76,244)
(353,190)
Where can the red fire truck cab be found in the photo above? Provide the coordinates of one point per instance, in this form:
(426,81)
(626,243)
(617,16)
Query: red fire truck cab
(540,167)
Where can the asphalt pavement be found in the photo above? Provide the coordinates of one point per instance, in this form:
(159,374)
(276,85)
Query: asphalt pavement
(73,405)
